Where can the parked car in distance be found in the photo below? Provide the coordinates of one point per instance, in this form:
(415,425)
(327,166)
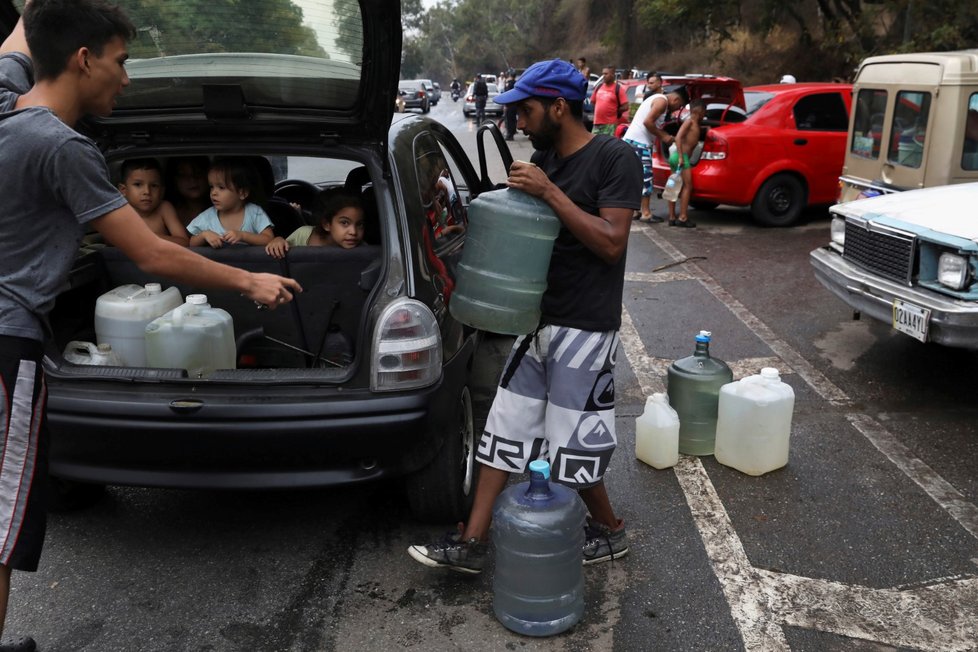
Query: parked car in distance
(781,154)
(468,107)
(914,123)
(433,90)
(910,260)
(365,375)
(415,94)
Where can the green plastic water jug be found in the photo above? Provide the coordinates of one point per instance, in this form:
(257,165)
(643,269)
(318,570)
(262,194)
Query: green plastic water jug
(502,276)
(694,392)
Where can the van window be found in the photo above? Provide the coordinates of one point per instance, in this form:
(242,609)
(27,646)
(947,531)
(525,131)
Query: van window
(822,112)
(867,132)
(969,158)
(909,127)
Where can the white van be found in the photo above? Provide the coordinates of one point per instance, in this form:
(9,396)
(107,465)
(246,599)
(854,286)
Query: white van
(914,123)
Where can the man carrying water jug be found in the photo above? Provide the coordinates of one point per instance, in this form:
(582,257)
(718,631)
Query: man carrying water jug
(556,396)
(55,184)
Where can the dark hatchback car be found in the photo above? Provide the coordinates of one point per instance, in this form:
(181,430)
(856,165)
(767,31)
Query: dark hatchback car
(309,110)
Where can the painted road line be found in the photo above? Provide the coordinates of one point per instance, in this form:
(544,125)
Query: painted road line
(939,489)
(940,617)
(825,387)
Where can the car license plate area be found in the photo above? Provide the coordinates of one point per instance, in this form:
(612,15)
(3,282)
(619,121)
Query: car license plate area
(910,319)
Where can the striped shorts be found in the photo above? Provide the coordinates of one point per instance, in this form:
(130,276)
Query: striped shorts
(555,401)
(644,154)
(23,453)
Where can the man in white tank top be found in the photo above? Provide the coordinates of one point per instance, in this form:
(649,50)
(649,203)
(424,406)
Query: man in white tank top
(643,132)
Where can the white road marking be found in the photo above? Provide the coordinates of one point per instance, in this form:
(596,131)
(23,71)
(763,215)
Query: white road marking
(936,617)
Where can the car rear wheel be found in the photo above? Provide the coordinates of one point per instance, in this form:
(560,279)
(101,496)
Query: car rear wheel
(442,492)
(68,495)
(780,201)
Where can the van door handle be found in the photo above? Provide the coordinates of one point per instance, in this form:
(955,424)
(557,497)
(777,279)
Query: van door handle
(801,141)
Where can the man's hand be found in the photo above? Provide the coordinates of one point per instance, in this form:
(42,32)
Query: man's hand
(528,178)
(271,290)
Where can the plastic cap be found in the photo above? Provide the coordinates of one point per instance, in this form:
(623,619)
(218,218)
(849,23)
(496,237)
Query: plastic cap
(770,373)
(153,288)
(659,397)
(704,336)
(105,348)
(197,299)
(542,467)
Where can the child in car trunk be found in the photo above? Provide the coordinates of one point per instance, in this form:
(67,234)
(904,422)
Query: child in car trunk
(232,219)
(341,224)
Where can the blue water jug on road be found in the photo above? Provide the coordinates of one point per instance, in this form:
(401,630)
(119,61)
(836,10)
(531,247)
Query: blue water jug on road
(538,534)
(694,392)
(502,276)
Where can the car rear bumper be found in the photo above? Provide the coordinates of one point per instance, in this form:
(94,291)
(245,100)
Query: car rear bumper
(952,322)
(712,182)
(299,438)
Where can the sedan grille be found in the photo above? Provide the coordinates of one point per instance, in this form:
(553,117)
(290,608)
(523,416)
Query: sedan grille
(888,253)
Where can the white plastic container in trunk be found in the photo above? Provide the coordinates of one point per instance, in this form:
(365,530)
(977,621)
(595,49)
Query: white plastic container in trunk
(193,336)
(121,316)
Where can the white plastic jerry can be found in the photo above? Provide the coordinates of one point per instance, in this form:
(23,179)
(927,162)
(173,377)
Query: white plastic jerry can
(754,423)
(193,336)
(657,433)
(87,353)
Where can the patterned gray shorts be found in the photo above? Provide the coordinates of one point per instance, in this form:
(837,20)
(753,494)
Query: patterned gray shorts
(555,401)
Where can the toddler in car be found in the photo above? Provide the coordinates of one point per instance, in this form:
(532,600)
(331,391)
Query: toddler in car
(341,224)
(142,186)
(232,219)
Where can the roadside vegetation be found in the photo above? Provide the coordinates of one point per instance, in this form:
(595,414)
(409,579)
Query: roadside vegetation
(755,41)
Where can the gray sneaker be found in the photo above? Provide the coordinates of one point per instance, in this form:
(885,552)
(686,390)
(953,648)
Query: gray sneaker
(453,553)
(603,544)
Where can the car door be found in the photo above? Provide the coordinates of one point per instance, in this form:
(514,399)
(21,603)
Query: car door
(818,138)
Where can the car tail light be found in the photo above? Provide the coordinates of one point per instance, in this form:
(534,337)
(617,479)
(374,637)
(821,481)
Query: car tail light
(470,98)
(407,347)
(421,93)
(715,147)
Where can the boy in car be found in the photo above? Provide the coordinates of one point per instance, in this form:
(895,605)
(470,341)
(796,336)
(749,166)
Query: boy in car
(142,186)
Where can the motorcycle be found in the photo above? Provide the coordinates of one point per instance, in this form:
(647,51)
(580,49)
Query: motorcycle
(455,95)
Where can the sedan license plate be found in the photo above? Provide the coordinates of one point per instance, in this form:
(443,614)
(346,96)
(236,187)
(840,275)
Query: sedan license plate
(910,319)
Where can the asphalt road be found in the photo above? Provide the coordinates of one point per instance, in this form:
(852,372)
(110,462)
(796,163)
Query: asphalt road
(867,540)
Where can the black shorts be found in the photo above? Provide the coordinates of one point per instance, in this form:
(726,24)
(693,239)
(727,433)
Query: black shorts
(23,453)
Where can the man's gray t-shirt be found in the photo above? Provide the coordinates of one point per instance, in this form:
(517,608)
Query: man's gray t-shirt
(52,181)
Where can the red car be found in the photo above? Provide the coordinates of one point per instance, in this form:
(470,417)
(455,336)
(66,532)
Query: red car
(783,153)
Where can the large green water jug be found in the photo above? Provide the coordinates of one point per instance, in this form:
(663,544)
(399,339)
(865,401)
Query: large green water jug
(503,272)
(694,392)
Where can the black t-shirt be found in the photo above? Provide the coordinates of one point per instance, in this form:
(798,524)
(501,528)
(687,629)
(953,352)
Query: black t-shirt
(583,291)
(480,89)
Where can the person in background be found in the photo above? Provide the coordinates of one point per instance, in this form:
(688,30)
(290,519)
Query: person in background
(341,224)
(232,219)
(509,111)
(480,91)
(555,399)
(653,85)
(142,186)
(645,134)
(683,158)
(788,79)
(55,184)
(610,103)
(583,68)
(186,186)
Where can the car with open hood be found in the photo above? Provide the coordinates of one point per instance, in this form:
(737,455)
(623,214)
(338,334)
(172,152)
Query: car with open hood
(305,101)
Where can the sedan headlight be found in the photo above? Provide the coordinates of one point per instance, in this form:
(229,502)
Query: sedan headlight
(838,231)
(952,271)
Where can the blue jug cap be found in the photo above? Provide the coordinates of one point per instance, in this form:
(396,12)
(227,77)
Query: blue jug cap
(704,336)
(542,467)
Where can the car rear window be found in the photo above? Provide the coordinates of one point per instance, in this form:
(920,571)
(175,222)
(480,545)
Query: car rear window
(909,128)
(280,53)
(870,113)
(756,99)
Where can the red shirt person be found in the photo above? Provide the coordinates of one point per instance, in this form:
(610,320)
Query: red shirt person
(610,103)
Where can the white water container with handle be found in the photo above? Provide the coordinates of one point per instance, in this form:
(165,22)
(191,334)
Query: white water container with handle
(657,433)
(194,336)
(122,313)
(88,353)
(754,423)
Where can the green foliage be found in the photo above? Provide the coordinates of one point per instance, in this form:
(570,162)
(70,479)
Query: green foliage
(170,28)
